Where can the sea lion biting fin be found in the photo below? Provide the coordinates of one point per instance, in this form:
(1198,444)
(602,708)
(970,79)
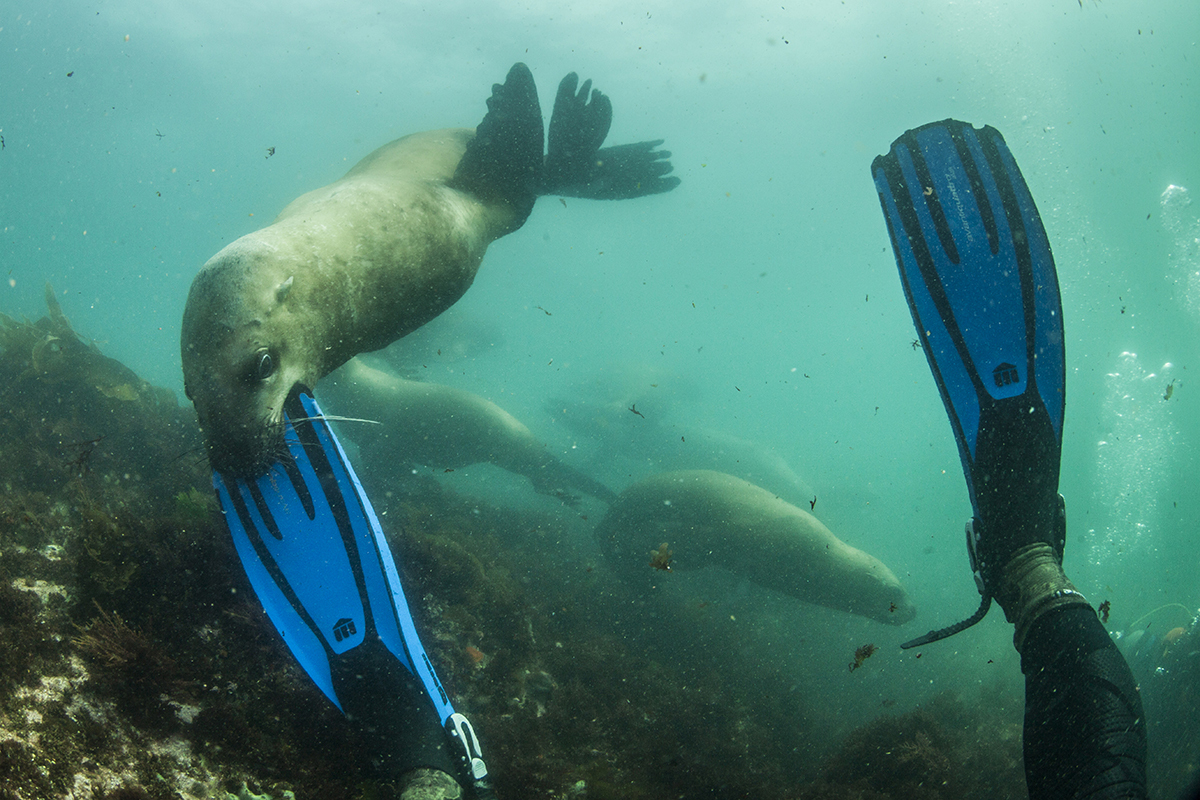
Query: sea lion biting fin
(357,264)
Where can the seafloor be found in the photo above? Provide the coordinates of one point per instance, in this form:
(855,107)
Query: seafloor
(136,663)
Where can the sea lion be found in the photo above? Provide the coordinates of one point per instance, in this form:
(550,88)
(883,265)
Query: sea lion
(360,263)
(640,419)
(446,428)
(713,519)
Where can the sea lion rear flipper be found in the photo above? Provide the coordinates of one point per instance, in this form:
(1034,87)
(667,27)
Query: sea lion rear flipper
(576,166)
(577,129)
(979,276)
(626,171)
(504,160)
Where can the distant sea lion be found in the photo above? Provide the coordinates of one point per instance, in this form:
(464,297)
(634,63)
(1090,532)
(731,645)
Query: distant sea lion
(665,434)
(447,428)
(360,263)
(713,519)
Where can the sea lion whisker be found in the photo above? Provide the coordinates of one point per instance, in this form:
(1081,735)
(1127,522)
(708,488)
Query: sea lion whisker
(335,418)
(199,459)
(191,451)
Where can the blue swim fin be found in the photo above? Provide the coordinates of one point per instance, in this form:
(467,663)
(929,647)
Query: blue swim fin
(313,550)
(979,276)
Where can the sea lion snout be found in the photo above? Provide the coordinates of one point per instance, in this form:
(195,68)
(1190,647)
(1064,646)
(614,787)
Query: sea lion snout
(244,449)
(900,610)
(240,415)
(242,434)
(239,358)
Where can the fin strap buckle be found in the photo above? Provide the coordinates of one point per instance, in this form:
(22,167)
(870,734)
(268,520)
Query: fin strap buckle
(973,553)
(462,732)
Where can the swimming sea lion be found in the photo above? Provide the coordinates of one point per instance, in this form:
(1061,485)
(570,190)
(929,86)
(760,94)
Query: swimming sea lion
(713,519)
(446,428)
(360,263)
(640,419)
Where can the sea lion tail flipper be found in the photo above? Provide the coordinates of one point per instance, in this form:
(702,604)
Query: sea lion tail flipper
(980,281)
(576,165)
(317,559)
(504,159)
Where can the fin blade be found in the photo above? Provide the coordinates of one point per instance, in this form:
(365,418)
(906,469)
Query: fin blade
(978,275)
(391,618)
(295,626)
(314,552)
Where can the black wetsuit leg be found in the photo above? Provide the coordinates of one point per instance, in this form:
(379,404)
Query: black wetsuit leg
(1085,736)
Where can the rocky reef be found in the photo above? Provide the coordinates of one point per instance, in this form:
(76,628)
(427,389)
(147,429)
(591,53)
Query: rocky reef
(136,663)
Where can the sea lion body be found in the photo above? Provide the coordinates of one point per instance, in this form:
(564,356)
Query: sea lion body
(665,433)
(713,519)
(357,264)
(344,269)
(446,428)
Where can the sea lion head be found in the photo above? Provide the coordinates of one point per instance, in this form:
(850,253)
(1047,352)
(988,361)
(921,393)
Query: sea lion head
(884,599)
(242,352)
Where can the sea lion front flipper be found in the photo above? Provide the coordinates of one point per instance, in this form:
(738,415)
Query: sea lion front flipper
(504,160)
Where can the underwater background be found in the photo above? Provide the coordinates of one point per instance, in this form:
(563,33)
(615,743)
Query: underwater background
(758,302)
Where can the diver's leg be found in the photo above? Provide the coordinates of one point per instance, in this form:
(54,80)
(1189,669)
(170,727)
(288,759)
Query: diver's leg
(1085,735)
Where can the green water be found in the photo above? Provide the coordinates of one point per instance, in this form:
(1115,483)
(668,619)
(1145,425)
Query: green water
(759,300)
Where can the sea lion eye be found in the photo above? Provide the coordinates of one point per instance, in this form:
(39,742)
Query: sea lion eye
(266,365)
